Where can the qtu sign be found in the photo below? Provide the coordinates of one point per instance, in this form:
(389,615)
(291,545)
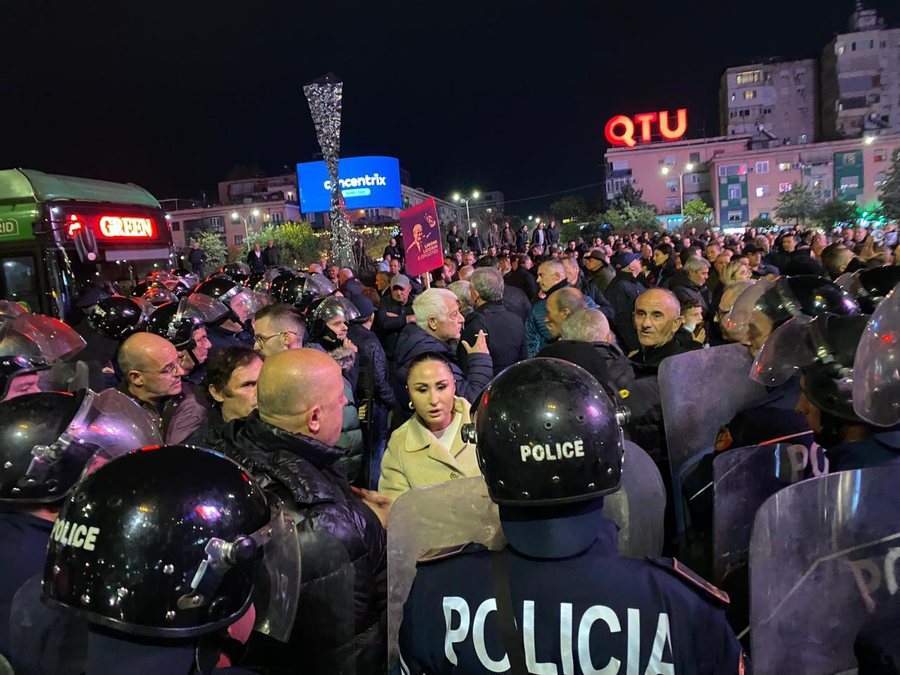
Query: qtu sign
(625,131)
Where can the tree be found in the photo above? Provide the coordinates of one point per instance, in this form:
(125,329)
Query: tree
(298,244)
(760,223)
(796,204)
(836,212)
(697,213)
(630,196)
(571,207)
(216,251)
(889,192)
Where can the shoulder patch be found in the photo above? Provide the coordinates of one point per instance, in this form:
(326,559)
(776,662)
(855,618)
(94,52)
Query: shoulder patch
(446,552)
(686,574)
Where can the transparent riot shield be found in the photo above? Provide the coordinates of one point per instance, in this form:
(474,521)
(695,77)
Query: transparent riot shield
(699,392)
(824,557)
(743,478)
(461,511)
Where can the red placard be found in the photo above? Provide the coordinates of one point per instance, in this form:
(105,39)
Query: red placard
(422,238)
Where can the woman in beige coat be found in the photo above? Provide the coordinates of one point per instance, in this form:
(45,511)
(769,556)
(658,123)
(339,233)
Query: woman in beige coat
(428,448)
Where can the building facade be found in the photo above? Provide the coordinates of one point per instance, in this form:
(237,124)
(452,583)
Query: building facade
(775,103)
(741,182)
(861,79)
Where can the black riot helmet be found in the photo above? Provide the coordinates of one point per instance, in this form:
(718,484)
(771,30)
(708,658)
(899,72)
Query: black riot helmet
(301,292)
(117,317)
(870,286)
(46,440)
(176,327)
(219,287)
(276,287)
(326,309)
(547,434)
(13,366)
(241,303)
(33,342)
(173,542)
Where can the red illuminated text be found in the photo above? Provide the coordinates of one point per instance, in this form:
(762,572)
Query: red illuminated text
(114,227)
(622,130)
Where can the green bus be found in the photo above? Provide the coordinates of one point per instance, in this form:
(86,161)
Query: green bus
(59,234)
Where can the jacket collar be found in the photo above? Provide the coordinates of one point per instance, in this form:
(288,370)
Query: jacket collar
(553,289)
(273,438)
(419,438)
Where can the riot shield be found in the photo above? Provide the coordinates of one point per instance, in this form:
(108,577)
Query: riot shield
(743,478)
(461,511)
(823,562)
(700,391)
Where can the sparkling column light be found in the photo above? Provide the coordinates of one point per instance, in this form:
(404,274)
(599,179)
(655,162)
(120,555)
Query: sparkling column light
(324,96)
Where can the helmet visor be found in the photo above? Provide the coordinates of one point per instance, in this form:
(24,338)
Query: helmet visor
(876,368)
(737,321)
(247,303)
(784,353)
(203,307)
(114,422)
(54,339)
(849,281)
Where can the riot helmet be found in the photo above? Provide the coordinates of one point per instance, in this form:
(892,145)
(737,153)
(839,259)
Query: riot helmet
(241,303)
(48,438)
(546,433)
(173,542)
(117,317)
(158,295)
(40,337)
(301,292)
(870,286)
(12,367)
(327,309)
(876,366)
(177,321)
(768,304)
(276,286)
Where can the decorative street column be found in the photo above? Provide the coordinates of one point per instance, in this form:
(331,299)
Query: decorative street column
(324,96)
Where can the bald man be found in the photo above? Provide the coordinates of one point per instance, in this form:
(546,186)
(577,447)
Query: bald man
(288,446)
(151,375)
(658,322)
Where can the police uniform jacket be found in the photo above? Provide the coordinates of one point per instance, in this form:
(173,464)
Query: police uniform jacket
(309,478)
(22,556)
(883,447)
(415,457)
(573,615)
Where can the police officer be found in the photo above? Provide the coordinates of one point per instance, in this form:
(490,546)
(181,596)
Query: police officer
(559,598)
(184,325)
(233,327)
(107,324)
(303,291)
(45,441)
(160,551)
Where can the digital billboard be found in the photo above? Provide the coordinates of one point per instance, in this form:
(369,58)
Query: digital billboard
(366,182)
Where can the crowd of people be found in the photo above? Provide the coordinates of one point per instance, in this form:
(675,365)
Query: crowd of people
(284,411)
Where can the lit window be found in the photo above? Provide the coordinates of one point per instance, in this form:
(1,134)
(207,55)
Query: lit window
(784,166)
(762,191)
(784,187)
(750,94)
(748,77)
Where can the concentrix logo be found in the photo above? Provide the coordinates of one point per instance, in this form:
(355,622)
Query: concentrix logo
(9,227)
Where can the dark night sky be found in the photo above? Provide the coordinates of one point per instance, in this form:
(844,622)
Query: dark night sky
(494,94)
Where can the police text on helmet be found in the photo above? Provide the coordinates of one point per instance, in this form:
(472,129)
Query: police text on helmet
(74,534)
(552,451)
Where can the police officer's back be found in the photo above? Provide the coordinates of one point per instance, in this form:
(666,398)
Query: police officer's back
(559,598)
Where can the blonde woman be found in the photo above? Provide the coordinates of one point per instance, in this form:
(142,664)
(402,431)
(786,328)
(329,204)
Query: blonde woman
(428,448)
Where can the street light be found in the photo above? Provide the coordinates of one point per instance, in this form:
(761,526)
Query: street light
(665,171)
(459,198)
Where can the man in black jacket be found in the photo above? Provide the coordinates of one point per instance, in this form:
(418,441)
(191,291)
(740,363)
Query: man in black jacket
(288,446)
(520,277)
(622,293)
(394,312)
(437,329)
(505,330)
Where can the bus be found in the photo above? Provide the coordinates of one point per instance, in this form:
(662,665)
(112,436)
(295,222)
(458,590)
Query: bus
(62,234)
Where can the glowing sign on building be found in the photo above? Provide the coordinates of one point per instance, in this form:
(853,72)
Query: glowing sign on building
(625,131)
(116,227)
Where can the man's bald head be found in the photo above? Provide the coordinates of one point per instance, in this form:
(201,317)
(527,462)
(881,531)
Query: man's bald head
(143,350)
(150,366)
(302,391)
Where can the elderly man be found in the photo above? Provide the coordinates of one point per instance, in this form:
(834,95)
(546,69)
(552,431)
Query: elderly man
(658,321)
(551,277)
(288,445)
(587,341)
(277,328)
(689,283)
(151,375)
(599,271)
(560,304)
(437,328)
(576,279)
(505,329)
(394,313)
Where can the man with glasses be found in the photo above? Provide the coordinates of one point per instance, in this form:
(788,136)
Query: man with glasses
(278,328)
(151,375)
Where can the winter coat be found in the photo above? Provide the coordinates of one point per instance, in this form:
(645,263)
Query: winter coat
(308,477)
(604,361)
(552,236)
(524,280)
(536,332)
(602,277)
(521,240)
(507,237)
(414,341)
(591,291)
(454,242)
(505,335)
(415,457)
(373,367)
(516,301)
(622,293)
(685,289)
(176,417)
(389,327)
(271,256)
(475,243)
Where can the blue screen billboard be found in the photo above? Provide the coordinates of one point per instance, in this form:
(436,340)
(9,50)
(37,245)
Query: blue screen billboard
(366,182)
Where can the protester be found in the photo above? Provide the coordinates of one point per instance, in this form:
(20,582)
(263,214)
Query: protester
(505,330)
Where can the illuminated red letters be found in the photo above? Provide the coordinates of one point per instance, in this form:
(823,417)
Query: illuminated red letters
(115,227)
(620,130)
